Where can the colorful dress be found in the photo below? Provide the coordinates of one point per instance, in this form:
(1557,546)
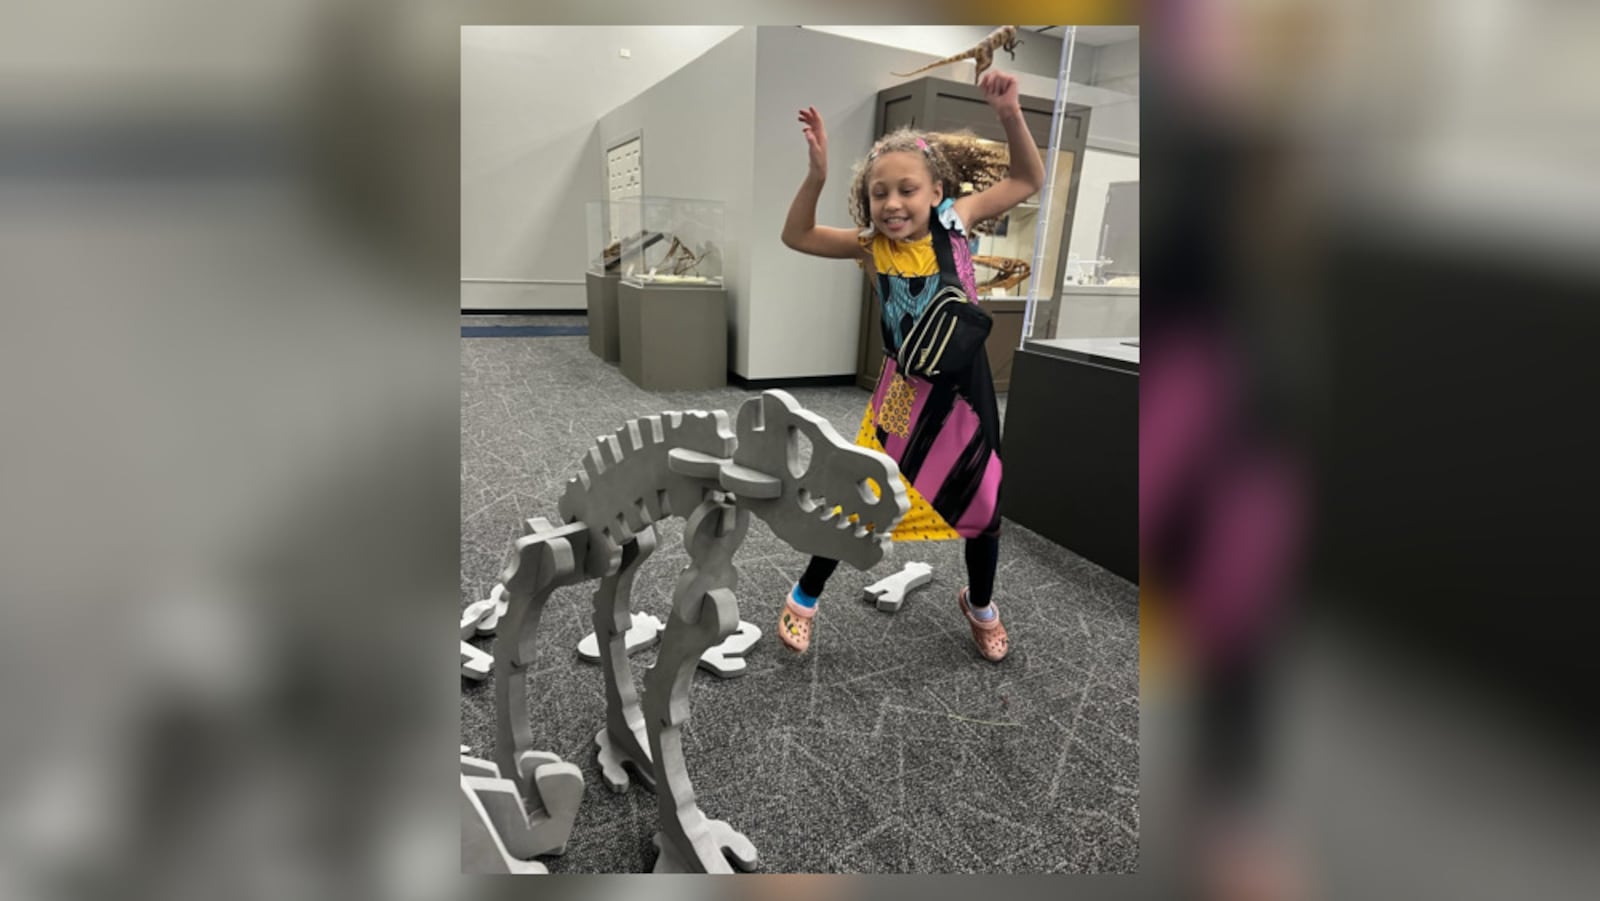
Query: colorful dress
(945,438)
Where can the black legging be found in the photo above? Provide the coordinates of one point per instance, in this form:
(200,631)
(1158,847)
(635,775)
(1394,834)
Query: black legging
(983,554)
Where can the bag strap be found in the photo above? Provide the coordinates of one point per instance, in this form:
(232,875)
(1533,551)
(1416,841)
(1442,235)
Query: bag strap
(948,274)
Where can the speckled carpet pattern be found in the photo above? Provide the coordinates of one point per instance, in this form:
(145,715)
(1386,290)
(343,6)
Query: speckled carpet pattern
(891,746)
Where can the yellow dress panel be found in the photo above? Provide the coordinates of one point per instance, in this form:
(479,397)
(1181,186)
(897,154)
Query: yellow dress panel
(921,522)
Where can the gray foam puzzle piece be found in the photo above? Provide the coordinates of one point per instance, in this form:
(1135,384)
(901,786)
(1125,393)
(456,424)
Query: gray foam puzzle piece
(735,847)
(726,660)
(801,511)
(542,823)
(747,482)
(543,559)
(625,747)
(890,592)
(542,830)
(626,482)
(643,633)
(475,664)
(704,613)
(482,850)
(620,769)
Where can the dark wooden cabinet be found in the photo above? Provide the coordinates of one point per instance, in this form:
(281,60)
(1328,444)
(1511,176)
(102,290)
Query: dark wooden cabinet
(1072,450)
(937,104)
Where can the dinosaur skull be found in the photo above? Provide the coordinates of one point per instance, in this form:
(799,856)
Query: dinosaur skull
(841,503)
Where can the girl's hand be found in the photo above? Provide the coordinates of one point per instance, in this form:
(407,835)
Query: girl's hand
(1000,91)
(816,141)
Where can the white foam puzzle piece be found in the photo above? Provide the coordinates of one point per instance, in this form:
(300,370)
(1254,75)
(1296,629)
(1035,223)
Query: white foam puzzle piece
(475,664)
(889,593)
(726,660)
(472,617)
(492,621)
(644,633)
(483,617)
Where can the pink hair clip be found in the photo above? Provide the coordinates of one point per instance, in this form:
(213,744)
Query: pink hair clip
(923,144)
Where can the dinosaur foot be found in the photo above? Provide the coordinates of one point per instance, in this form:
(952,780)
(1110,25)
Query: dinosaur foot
(735,847)
(620,769)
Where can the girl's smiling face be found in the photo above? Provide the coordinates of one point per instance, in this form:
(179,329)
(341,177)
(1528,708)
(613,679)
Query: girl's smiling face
(901,194)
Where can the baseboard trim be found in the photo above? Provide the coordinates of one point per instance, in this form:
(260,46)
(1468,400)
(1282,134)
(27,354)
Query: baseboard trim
(812,381)
(501,311)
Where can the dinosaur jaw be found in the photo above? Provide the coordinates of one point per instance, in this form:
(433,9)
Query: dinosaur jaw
(840,517)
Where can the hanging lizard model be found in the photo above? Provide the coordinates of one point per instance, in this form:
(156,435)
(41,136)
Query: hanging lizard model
(1002,38)
(840,503)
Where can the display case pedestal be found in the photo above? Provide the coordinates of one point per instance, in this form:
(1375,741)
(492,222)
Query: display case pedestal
(673,338)
(602,299)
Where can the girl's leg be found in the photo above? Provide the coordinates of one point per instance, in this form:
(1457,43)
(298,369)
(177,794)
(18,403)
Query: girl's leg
(977,599)
(983,556)
(815,577)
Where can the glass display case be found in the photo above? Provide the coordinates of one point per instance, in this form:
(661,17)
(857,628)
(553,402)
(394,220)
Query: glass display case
(1002,260)
(1100,289)
(669,241)
(603,257)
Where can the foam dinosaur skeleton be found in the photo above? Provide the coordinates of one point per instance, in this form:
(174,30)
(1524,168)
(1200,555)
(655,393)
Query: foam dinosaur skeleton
(1002,38)
(841,503)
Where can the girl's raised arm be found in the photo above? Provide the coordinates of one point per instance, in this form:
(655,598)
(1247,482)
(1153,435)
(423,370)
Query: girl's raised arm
(1026,175)
(800,230)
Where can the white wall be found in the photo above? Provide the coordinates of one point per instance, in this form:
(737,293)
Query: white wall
(530,156)
(697,130)
(1116,66)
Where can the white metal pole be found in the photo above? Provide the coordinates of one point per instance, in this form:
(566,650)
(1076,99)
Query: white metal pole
(1042,232)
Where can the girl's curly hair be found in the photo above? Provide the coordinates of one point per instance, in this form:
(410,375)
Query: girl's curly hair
(962,162)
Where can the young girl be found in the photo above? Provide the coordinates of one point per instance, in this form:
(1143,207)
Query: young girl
(946,438)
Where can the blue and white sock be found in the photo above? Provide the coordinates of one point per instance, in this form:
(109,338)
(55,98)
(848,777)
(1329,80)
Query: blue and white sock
(803,599)
(982,614)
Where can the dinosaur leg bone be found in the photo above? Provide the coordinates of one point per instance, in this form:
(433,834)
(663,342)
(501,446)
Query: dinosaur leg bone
(704,612)
(545,558)
(623,744)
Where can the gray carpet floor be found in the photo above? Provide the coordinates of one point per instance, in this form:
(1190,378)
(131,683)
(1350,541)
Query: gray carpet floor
(891,746)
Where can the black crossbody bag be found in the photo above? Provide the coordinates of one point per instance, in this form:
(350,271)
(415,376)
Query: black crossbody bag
(947,338)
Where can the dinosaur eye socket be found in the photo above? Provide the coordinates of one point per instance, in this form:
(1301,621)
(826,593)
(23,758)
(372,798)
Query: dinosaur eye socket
(870,490)
(799,452)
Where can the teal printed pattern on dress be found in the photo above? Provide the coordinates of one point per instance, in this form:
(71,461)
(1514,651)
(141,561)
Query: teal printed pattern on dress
(904,301)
